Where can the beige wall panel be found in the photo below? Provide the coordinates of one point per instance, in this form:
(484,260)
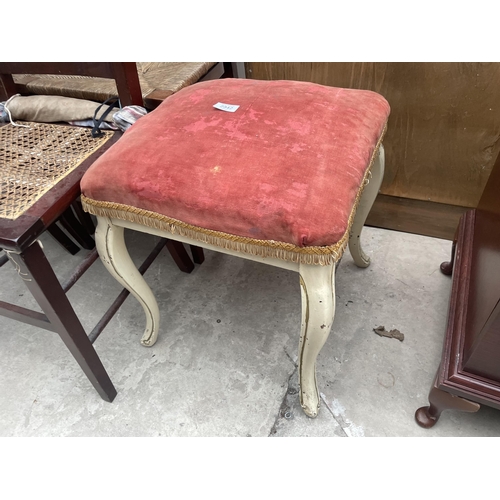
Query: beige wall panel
(444,129)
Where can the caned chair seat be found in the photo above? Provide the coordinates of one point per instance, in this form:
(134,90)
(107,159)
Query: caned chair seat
(36,157)
(164,76)
(287,178)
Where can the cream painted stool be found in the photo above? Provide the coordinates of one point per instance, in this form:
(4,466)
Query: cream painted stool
(279,172)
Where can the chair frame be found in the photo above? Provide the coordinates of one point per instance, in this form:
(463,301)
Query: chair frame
(124,74)
(19,237)
(317,282)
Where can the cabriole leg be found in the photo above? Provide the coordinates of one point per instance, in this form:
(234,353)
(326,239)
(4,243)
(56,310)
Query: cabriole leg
(318,308)
(365,204)
(110,242)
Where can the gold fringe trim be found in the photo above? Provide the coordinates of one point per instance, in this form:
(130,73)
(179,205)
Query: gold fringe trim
(316,255)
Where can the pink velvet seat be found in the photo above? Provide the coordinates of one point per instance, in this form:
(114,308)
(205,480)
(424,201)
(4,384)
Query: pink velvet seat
(286,166)
(287,179)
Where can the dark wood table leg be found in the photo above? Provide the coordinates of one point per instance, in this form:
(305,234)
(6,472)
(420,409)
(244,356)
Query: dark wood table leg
(36,271)
(180,256)
(197,253)
(3,259)
(76,230)
(60,236)
(447,267)
(440,400)
(84,217)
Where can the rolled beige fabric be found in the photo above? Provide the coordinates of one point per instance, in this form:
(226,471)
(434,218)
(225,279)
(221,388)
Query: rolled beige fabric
(48,109)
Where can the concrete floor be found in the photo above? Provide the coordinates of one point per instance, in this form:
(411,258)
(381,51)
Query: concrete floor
(225,362)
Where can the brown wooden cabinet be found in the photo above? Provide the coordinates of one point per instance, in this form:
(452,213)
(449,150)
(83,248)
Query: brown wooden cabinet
(469,373)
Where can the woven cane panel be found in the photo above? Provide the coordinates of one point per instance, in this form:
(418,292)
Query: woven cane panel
(34,159)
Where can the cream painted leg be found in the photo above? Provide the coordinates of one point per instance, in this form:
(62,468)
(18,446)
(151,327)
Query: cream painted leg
(365,204)
(111,247)
(318,309)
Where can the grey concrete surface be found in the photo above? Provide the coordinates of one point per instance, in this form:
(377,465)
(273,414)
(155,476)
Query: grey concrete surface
(225,361)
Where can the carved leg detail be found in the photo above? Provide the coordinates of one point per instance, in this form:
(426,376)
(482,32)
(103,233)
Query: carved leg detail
(318,308)
(111,247)
(439,400)
(365,204)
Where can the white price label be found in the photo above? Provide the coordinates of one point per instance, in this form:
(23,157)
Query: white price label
(226,107)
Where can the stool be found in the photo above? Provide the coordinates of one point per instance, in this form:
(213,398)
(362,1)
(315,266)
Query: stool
(287,179)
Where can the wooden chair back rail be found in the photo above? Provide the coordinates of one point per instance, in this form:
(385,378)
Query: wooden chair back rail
(124,74)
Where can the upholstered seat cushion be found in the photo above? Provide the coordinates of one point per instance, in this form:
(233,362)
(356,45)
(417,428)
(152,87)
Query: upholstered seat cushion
(286,166)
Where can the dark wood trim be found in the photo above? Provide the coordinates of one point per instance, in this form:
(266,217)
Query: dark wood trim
(455,386)
(80,270)
(127,83)
(426,218)
(124,74)
(453,377)
(197,253)
(18,313)
(43,284)
(76,230)
(155,98)
(3,259)
(84,217)
(63,239)
(180,255)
